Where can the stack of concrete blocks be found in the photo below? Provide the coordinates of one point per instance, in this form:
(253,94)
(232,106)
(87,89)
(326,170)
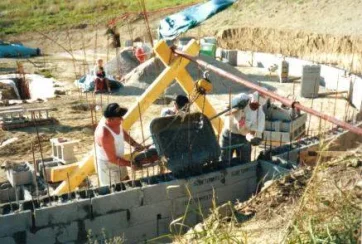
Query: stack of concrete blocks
(133,210)
(230,57)
(311,77)
(20,174)
(63,150)
(280,128)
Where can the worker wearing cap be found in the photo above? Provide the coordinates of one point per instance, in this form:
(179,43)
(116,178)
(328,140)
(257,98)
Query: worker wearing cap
(109,148)
(241,125)
(181,105)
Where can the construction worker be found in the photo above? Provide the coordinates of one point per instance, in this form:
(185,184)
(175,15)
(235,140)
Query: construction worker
(109,148)
(245,118)
(181,104)
(101,82)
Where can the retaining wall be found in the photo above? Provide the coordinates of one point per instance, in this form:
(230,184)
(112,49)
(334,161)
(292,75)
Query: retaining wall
(134,210)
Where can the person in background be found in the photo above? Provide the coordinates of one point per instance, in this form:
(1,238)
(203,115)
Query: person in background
(139,54)
(109,149)
(241,125)
(101,83)
(181,105)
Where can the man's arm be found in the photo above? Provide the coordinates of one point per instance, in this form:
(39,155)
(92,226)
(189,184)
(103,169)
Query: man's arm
(132,141)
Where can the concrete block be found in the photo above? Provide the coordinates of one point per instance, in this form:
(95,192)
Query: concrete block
(7,192)
(63,213)
(108,225)
(240,172)
(55,234)
(15,222)
(232,57)
(205,182)
(197,200)
(163,191)
(45,235)
(20,174)
(147,231)
(150,212)
(7,240)
(241,190)
(271,171)
(117,201)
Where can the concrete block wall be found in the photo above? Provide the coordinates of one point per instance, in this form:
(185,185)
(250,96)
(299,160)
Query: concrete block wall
(136,213)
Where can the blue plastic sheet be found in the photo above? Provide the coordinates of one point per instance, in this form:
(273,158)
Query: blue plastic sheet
(178,23)
(8,50)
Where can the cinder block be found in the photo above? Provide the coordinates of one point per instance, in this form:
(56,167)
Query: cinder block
(63,213)
(147,231)
(205,182)
(150,212)
(7,192)
(45,235)
(66,233)
(240,172)
(20,174)
(54,234)
(197,200)
(241,190)
(15,222)
(7,240)
(163,191)
(117,201)
(108,225)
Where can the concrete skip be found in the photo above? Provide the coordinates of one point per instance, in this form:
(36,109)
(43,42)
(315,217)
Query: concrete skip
(135,210)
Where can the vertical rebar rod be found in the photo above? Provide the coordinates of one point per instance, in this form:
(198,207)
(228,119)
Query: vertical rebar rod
(41,153)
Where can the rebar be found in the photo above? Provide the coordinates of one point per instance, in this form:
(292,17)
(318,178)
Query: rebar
(283,100)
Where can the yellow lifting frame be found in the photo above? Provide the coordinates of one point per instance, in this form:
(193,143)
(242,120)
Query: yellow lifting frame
(175,69)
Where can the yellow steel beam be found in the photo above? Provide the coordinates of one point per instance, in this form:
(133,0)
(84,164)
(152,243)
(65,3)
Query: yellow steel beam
(163,80)
(174,65)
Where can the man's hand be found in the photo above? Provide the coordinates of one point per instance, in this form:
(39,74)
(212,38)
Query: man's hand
(140,148)
(249,137)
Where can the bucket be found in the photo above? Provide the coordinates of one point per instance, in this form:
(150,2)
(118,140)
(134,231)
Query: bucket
(208,49)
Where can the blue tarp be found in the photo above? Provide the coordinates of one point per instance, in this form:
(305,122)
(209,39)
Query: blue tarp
(178,23)
(9,50)
(86,83)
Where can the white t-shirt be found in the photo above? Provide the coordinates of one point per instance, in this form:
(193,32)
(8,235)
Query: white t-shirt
(245,120)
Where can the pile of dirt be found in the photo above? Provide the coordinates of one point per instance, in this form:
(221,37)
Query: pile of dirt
(137,81)
(122,64)
(276,194)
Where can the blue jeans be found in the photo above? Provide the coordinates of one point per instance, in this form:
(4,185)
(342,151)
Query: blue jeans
(243,152)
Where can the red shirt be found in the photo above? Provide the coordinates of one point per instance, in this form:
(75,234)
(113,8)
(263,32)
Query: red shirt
(140,54)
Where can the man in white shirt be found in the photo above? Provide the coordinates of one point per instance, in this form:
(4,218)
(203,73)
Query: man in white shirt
(241,124)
